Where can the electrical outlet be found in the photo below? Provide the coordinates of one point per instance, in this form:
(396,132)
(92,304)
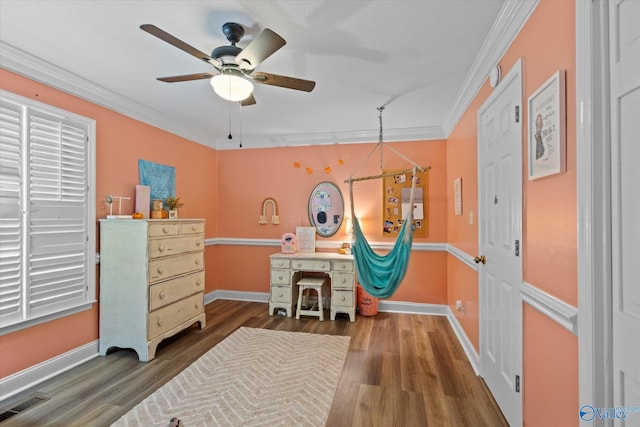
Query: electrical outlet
(459,305)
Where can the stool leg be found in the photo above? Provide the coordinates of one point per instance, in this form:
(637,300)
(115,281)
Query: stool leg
(300,292)
(319,291)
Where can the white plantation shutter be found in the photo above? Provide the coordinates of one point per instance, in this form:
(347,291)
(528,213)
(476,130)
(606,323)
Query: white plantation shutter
(11,223)
(47,229)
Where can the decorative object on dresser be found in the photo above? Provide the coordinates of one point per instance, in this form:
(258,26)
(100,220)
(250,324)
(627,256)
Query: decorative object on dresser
(288,269)
(173,204)
(151,282)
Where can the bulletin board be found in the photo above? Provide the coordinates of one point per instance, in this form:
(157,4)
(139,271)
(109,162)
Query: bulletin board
(396,194)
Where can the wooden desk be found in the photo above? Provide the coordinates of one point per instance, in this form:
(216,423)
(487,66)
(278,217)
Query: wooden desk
(287,269)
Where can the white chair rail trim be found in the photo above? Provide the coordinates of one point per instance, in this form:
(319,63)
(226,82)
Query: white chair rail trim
(558,310)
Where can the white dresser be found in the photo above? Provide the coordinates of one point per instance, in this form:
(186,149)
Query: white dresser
(286,269)
(151,282)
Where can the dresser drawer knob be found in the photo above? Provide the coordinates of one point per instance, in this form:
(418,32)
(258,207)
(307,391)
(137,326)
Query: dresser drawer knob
(162,295)
(198,262)
(159,322)
(160,270)
(161,248)
(198,282)
(342,298)
(299,265)
(281,294)
(196,305)
(280,277)
(198,242)
(193,228)
(165,230)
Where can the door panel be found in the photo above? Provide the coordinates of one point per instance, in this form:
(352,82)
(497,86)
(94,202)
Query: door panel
(500,205)
(624,24)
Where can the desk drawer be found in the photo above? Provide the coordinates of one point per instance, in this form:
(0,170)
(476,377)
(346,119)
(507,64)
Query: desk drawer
(281,294)
(175,245)
(169,317)
(342,281)
(312,265)
(341,298)
(165,268)
(280,263)
(165,293)
(342,265)
(280,277)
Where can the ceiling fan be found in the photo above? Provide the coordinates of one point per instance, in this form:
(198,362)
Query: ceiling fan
(235,66)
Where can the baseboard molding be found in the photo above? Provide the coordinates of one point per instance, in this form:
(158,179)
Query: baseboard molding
(467,345)
(36,374)
(236,296)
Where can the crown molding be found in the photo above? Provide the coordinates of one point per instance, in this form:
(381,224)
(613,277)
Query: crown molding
(512,17)
(20,62)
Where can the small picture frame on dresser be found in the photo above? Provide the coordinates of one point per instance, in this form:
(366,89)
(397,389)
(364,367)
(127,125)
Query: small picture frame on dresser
(306,239)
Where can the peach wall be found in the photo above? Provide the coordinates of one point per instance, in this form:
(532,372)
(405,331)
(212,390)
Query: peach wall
(550,375)
(546,44)
(120,142)
(246,177)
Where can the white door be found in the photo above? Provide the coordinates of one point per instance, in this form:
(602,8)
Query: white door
(624,22)
(500,212)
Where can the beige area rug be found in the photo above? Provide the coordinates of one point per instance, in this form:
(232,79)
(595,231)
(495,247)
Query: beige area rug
(254,377)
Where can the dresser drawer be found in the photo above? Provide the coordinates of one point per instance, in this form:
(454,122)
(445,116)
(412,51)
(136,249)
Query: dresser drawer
(280,263)
(342,281)
(281,294)
(175,245)
(165,268)
(342,265)
(192,228)
(280,277)
(167,318)
(340,298)
(167,292)
(312,264)
(159,229)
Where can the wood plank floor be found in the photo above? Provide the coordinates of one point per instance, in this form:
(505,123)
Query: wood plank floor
(401,370)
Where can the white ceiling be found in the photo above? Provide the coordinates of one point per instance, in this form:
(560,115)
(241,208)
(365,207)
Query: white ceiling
(417,58)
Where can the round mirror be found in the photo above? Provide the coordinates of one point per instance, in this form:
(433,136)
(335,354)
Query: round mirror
(326,208)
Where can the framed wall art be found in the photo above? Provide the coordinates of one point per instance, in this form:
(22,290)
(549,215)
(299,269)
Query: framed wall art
(547,128)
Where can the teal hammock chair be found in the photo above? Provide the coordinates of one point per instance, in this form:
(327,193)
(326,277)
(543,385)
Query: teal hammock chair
(380,275)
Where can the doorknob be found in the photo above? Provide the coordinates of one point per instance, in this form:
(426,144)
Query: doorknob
(480,259)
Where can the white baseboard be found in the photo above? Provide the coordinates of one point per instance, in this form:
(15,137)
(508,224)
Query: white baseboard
(467,346)
(36,374)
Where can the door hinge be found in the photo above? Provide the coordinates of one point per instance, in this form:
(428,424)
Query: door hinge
(517,247)
(517,114)
(517,383)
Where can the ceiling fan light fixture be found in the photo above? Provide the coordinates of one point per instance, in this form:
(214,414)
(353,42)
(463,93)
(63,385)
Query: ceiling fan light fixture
(231,86)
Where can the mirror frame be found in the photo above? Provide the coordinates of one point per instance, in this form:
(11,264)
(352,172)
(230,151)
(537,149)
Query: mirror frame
(331,224)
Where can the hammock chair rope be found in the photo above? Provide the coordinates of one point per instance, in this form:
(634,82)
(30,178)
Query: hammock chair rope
(380,275)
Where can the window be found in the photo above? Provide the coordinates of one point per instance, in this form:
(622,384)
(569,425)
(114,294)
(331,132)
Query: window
(47,212)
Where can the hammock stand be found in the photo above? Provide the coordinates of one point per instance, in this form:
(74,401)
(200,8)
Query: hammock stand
(380,275)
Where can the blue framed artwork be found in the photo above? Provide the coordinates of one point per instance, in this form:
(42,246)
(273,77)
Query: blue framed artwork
(161,179)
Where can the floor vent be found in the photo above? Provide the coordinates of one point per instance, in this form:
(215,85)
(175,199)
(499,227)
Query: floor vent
(23,406)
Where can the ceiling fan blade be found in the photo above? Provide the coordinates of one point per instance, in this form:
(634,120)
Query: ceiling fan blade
(186,77)
(259,49)
(283,81)
(250,100)
(163,35)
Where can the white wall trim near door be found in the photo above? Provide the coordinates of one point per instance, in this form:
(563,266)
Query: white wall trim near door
(593,184)
(558,310)
(36,374)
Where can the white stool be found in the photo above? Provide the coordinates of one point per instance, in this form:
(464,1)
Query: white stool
(316,283)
